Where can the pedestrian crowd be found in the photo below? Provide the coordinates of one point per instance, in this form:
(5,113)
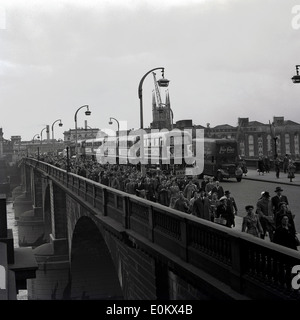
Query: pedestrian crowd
(205,199)
(286,164)
(272,217)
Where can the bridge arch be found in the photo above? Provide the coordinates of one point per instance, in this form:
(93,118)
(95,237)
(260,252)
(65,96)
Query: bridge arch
(93,274)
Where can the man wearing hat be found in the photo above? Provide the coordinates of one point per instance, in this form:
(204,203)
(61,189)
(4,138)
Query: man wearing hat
(277,199)
(223,210)
(266,216)
(231,202)
(201,206)
(218,189)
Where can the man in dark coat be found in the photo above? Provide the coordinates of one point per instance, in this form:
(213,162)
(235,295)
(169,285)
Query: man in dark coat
(265,213)
(284,236)
(277,163)
(201,207)
(277,199)
(218,190)
(231,202)
(285,163)
(260,166)
(182,203)
(163,193)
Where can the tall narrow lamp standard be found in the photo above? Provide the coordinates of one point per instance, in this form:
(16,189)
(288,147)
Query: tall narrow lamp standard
(87,113)
(162,83)
(117,136)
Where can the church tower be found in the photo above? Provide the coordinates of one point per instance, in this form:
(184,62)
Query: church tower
(162,114)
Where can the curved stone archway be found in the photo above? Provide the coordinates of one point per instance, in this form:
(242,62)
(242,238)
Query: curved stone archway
(93,274)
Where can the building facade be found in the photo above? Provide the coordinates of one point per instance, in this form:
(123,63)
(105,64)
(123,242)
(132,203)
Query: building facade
(82,134)
(257,139)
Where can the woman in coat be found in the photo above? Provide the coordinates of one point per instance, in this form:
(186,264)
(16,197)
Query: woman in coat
(251,223)
(291,170)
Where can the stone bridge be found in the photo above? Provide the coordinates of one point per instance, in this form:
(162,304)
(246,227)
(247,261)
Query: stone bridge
(94,242)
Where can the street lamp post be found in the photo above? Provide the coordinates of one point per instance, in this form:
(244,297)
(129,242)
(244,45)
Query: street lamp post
(42,134)
(110,122)
(117,136)
(275,146)
(87,113)
(296,78)
(52,129)
(274,137)
(35,136)
(162,83)
(41,142)
(68,160)
(172,115)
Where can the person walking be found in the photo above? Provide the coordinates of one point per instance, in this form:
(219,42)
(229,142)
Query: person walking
(277,166)
(163,194)
(242,164)
(284,211)
(140,188)
(277,199)
(214,202)
(209,186)
(189,190)
(174,192)
(218,189)
(231,202)
(149,189)
(201,207)
(284,236)
(267,164)
(131,186)
(291,168)
(285,163)
(182,203)
(266,216)
(260,166)
(196,195)
(224,211)
(251,223)
(204,182)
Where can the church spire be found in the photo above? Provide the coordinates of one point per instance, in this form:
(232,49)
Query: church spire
(167,99)
(153,100)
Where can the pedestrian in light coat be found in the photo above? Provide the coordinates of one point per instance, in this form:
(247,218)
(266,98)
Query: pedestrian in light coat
(291,168)
(266,216)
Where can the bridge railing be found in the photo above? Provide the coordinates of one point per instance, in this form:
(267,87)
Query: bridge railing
(250,265)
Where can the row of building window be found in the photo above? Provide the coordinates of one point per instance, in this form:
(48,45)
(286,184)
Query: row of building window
(267,150)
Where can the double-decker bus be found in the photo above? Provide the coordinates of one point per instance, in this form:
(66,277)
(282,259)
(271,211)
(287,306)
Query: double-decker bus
(220,158)
(163,149)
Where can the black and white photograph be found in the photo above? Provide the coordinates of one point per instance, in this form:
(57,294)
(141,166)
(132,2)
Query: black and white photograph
(150,154)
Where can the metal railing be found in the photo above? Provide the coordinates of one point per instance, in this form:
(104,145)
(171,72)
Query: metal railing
(251,266)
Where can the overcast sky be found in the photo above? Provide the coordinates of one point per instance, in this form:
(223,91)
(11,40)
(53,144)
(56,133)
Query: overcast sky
(224,58)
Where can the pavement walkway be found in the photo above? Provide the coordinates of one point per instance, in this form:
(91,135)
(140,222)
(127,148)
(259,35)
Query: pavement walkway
(252,174)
